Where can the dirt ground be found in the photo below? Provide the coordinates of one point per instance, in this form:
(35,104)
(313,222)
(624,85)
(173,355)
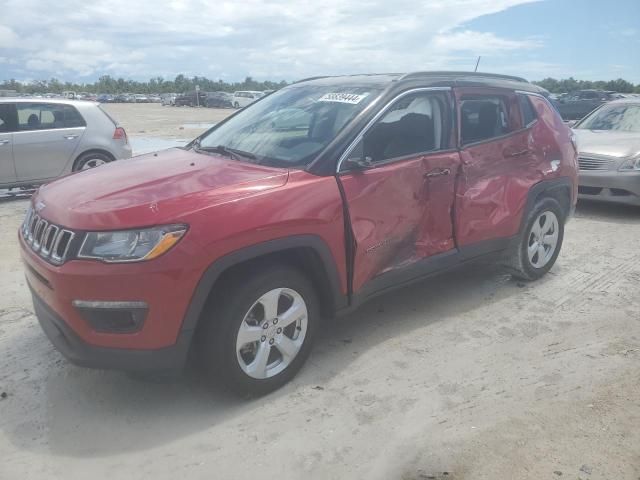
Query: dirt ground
(467,376)
(152,119)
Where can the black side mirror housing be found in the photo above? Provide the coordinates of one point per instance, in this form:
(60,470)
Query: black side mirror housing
(358,163)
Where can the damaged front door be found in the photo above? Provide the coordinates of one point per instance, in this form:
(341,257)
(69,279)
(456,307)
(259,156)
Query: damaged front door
(399,182)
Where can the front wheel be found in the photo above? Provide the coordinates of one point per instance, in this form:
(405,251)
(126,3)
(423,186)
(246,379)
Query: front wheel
(260,330)
(540,241)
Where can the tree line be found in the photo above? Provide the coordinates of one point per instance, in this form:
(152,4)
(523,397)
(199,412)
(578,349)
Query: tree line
(182,84)
(108,84)
(571,84)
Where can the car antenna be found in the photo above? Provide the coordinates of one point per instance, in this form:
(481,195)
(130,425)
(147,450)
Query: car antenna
(477,63)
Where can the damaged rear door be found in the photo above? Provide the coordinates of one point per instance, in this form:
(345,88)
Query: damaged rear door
(499,165)
(398,181)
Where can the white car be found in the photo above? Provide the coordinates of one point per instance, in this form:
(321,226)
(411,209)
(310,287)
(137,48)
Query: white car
(246,97)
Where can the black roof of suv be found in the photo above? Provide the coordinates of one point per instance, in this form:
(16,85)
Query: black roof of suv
(431,79)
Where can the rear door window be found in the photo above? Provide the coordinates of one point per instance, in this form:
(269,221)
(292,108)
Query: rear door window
(526,110)
(47,116)
(484,117)
(72,117)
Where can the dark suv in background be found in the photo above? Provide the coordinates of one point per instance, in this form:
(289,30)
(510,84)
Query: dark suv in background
(191,99)
(218,100)
(578,104)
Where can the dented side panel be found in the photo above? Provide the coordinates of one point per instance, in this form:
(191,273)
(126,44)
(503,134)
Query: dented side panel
(493,189)
(399,214)
(496,176)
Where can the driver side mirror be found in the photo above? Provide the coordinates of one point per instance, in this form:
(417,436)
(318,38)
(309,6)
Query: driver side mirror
(357,163)
(357,160)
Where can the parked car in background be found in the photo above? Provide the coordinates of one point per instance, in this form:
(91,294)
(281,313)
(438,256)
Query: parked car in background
(69,94)
(154,98)
(140,98)
(268,224)
(105,98)
(243,98)
(42,140)
(168,99)
(218,100)
(578,104)
(609,153)
(191,99)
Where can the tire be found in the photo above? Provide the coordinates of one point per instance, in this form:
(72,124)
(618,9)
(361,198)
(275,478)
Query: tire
(529,259)
(236,105)
(91,160)
(239,310)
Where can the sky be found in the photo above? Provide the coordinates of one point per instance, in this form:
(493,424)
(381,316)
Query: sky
(80,40)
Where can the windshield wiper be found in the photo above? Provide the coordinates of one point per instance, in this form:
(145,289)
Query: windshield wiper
(228,152)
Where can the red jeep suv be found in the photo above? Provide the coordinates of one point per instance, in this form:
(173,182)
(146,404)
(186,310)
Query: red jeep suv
(299,207)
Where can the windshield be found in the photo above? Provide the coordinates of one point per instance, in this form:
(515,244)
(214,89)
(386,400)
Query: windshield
(624,118)
(291,126)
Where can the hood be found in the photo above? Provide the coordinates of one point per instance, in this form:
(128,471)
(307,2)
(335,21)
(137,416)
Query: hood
(608,143)
(151,189)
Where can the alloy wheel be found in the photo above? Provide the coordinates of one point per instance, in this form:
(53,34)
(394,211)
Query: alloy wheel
(92,163)
(543,239)
(272,333)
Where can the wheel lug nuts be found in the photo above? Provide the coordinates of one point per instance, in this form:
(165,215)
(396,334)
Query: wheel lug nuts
(263,338)
(265,325)
(271,341)
(279,330)
(275,321)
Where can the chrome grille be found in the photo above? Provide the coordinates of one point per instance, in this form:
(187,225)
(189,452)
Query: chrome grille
(48,240)
(593,163)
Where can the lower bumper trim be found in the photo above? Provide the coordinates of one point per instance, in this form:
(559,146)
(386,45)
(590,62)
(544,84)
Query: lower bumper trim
(79,352)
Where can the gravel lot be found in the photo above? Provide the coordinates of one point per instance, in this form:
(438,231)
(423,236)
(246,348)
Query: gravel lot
(467,376)
(154,120)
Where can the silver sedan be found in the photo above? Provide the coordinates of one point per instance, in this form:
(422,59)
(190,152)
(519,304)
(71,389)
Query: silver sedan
(44,139)
(609,153)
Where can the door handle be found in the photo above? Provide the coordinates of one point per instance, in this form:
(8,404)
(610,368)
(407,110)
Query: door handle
(70,137)
(4,142)
(438,172)
(521,153)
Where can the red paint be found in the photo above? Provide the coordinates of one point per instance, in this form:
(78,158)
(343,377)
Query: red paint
(398,215)
(494,184)
(228,205)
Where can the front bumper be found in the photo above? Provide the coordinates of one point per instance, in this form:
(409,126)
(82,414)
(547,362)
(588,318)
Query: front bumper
(164,285)
(83,354)
(610,186)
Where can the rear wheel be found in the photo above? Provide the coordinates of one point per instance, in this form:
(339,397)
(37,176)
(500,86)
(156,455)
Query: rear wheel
(236,105)
(540,241)
(259,331)
(91,160)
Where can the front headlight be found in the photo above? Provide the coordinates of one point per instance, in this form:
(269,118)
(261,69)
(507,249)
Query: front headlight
(631,165)
(131,245)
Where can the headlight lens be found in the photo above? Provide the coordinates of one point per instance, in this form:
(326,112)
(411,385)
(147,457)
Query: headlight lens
(631,165)
(131,245)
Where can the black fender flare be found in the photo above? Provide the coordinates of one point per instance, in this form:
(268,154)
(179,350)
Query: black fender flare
(556,187)
(222,264)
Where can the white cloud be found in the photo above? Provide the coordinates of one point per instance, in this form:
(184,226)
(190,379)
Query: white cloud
(481,43)
(8,38)
(279,39)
